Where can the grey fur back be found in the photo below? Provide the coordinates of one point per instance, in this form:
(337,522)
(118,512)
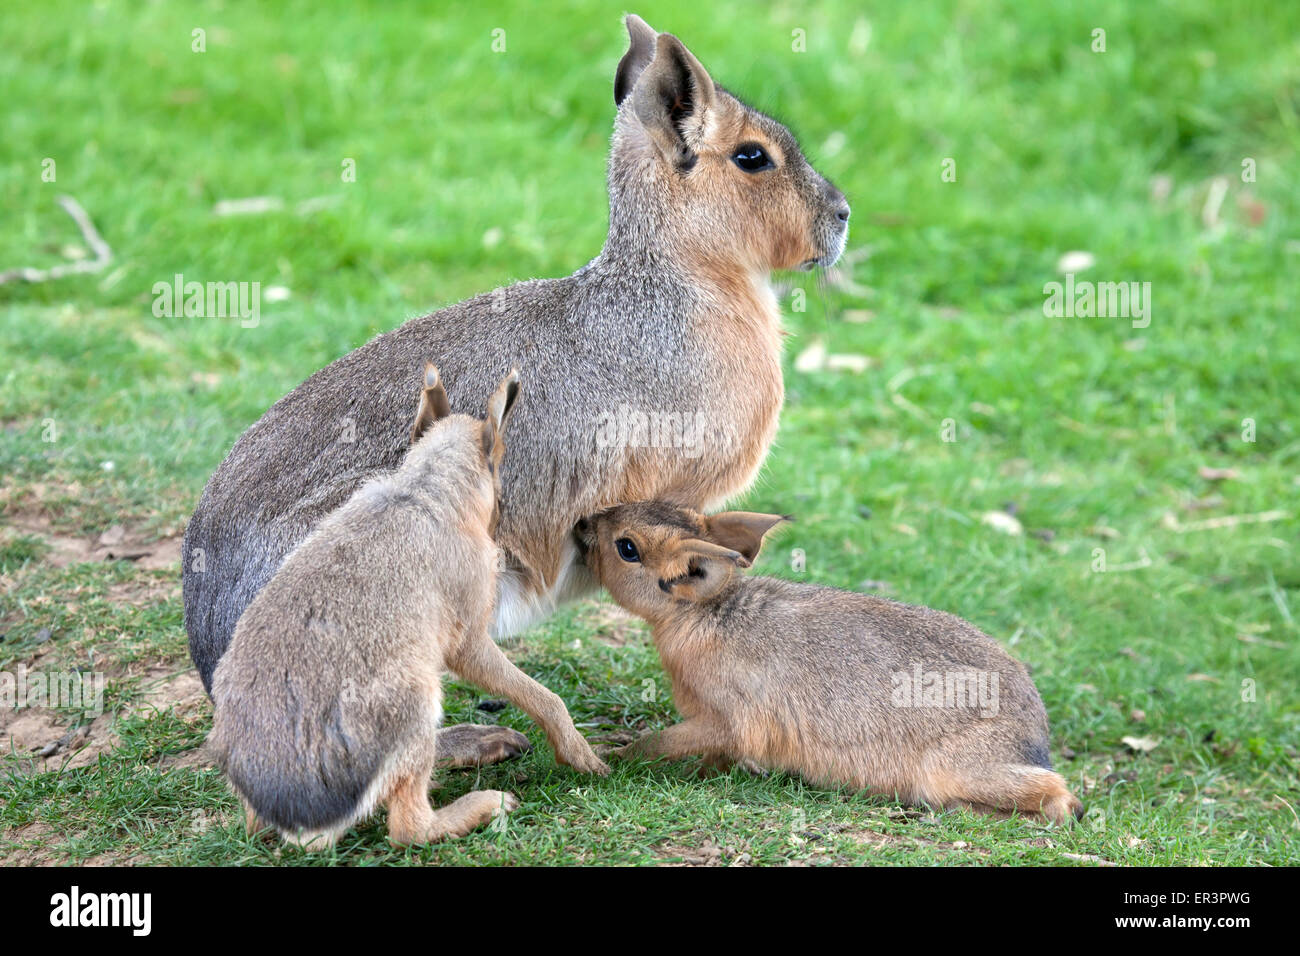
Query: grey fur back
(294,465)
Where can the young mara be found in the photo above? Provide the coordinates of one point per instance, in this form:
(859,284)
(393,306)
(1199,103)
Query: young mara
(843,688)
(328,702)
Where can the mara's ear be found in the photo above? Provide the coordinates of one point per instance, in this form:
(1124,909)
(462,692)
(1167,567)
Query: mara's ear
(638,56)
(584,534)
(673,98)
(499,406)
(433,403)
(701,569)
(741,531)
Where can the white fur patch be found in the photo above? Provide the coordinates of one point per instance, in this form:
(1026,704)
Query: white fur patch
(518,607)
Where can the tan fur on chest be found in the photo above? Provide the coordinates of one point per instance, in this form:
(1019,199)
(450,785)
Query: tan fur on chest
(738,329)
(689,652)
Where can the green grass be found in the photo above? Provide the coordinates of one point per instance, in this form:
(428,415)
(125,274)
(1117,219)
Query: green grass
(476,168)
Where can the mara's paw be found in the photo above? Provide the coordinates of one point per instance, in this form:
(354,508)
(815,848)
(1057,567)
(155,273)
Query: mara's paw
(579,755)
(475,745)
(753,768)
(723,764)
(476,809)
(500,804)
(1063,808)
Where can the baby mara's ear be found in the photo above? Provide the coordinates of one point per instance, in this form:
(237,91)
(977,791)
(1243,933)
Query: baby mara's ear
(584,535)
(742,531)
(433,403)
(704,568)
(499,406)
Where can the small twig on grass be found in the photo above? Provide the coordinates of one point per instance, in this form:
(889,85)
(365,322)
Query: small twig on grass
(103,254)
(1289,807)
(1089,858)
(1279,598)
(895,384)
(1223,521)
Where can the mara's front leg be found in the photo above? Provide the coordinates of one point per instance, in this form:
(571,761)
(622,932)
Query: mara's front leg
(689,738)
(483,663)
(723,763)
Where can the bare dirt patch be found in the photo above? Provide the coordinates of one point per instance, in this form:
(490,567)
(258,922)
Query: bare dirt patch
(31,510)
(164,688)
(25,845)
(706,854)
(143,591)
(116,544)
(116,858)
(40,844)
(51,739)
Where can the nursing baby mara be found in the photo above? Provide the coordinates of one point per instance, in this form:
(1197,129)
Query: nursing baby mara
(815,680)
(328,701)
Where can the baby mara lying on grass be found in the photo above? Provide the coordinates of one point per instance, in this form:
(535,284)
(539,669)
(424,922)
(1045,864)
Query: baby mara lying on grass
(329,698)
(818,681)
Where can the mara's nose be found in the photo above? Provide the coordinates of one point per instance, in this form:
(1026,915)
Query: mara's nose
(842,214)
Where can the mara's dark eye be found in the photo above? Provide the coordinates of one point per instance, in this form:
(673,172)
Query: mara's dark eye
(627,550)
(752,158)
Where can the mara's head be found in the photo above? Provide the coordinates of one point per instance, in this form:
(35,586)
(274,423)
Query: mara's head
(487,436)
(692,166)
(653,557)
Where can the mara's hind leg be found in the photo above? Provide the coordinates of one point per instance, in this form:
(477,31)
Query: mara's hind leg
(1019,787)
(255,825)
(412,819)
(981,808)
(476,745)
(473,810)
(410,815)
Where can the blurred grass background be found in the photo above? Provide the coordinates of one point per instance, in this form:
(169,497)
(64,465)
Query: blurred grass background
(476,167)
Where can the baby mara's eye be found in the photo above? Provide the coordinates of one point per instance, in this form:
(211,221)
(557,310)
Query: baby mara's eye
(627,550)
(752,158)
